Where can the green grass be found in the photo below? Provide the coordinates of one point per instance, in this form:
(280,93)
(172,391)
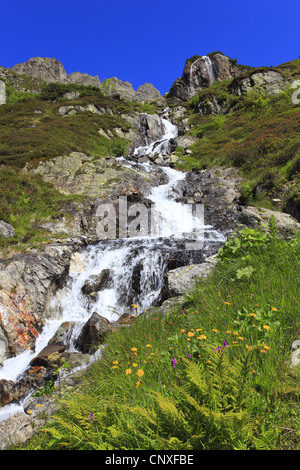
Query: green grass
(32,130)
(26,200)
(241,394)
(258,135)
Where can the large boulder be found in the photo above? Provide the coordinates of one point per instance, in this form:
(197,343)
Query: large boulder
(27,283)
(180,280)
(93,333)
(97,282)
(6,230)
(255,217)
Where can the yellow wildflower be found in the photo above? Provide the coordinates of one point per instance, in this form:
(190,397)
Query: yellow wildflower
(182,331)
(140,373)
(114,367)
(115,362)
(202,337)
(240,337)
(134,365)
(148,345)
(191,334)
(227,303)
(133,349)
(128,371)
(252,315)
(274,309)
(266,327)
(215,331)
(199,329)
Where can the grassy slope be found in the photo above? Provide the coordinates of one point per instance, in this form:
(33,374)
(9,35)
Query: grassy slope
(241,394)
(259,135)
(244,397)
(32,130)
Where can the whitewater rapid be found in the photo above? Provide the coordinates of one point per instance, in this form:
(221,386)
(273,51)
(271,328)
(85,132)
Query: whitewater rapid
(133,261)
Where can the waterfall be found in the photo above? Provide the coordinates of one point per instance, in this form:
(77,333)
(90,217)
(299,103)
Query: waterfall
(136,265)
(210,70)
(162,145)
(191,77)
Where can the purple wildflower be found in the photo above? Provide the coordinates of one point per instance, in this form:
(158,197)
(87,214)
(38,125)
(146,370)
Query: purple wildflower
(189,355)
(91,416)
(174,362)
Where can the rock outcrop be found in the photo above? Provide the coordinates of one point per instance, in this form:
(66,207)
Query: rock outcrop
(146,92)
(6,230)
(52,70)
(2,92)
(44,68)
(267,81)
(200,72)
(27,282)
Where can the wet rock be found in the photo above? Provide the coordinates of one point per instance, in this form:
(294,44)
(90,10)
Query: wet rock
(44,356)
(13,392)
(63,334)
(4,347)
(98,283)
(27,283)
(93,333)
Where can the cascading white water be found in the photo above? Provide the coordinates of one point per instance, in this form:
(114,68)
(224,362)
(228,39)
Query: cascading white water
(210,70)
(162,145)
(137,261)
(191,77)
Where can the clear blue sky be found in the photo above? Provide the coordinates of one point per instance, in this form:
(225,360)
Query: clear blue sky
(147,41)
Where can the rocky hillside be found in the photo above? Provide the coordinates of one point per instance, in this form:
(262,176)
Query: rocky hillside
(60,135)
(61,139)
(50,70)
